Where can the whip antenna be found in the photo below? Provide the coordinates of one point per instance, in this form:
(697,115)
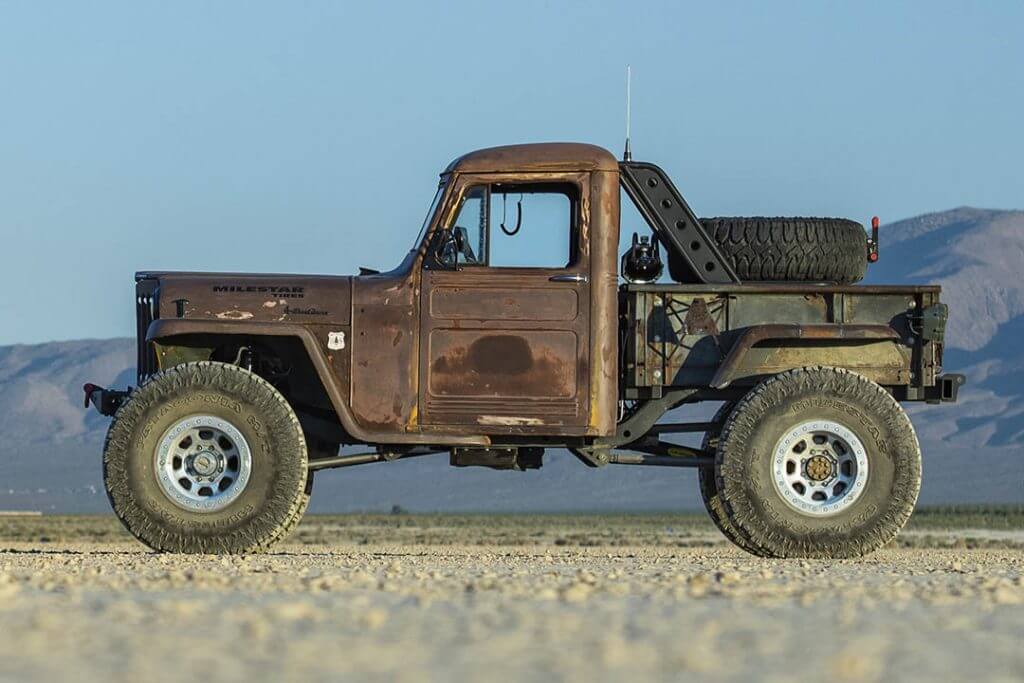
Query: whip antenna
(627,154)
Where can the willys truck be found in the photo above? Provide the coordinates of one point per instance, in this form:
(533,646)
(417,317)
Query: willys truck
(513,327)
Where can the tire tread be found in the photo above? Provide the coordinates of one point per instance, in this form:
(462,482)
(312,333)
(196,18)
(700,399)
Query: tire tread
(168,383)
(763,249)
(832,381)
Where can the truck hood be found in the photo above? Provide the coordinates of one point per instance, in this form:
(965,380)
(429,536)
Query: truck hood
(304,299)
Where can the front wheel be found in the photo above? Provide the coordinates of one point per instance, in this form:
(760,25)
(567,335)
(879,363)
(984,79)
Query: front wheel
(817,462)
(206,458)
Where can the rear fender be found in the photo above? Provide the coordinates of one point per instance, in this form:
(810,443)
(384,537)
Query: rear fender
(872,350)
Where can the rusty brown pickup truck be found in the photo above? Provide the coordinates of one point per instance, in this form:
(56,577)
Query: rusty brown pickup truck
(514,326)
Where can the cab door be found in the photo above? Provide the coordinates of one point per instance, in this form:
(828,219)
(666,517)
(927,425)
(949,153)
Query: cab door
(505,307)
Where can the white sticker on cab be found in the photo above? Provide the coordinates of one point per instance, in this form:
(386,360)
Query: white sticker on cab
(335,341)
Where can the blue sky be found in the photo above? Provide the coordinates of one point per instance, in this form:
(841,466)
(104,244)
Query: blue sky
(306,137)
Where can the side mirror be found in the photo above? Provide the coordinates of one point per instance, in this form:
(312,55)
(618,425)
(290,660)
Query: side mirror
(461,237)
(446,249)
(450,246)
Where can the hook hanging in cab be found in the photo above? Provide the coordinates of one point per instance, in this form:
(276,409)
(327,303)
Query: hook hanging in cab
(519,215)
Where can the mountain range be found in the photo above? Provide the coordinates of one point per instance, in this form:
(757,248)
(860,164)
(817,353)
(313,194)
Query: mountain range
(50,447)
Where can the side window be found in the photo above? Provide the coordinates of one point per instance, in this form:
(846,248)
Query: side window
(533,226)
(471,228)
(506,225)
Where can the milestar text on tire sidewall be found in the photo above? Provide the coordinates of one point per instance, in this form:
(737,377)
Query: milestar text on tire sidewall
(857,421)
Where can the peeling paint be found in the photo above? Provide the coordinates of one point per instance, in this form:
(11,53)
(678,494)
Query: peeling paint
(508,420)
(235,315)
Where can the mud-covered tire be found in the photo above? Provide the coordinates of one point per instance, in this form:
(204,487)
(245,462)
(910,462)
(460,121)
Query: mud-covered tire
(751,445)
(709,487)
(787,249)
(275,495)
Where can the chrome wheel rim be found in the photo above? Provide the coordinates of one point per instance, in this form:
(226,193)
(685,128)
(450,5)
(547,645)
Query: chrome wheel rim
(203,463)
(820,468)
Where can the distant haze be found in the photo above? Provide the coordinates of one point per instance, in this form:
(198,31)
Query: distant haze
(50,447)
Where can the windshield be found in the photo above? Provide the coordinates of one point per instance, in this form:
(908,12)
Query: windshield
(430,214)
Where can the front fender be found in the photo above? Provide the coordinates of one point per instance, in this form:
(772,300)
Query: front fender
(164,331)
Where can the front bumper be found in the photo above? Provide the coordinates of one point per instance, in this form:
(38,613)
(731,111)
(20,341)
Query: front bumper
(106,401)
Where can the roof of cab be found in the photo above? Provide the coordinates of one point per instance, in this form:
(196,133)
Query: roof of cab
(543,156)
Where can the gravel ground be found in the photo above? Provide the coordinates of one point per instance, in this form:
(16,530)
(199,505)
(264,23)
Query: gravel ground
(547,602)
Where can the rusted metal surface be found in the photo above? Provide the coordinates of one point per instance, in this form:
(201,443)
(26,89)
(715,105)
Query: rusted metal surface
(714,336)
(170,330)
(885,362)
(601,230)
(533,354)
(546,156)
(669,333)
(539,304)
(738,358)
(506,374)
(297,299)
(384,344)
(699,319)
(481,355)
(509,351)
(496,365)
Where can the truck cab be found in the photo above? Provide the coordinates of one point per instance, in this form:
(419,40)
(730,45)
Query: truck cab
(462,341)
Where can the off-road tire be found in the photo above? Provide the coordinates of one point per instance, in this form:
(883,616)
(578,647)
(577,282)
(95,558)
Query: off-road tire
(709,487)
(272,502)
(744,471)
(787,249)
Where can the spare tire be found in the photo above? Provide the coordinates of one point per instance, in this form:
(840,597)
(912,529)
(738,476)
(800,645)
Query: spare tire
(785,249)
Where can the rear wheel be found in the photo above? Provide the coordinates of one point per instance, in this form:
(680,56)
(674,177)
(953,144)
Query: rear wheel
(206,458)
(817,462)
(709,492)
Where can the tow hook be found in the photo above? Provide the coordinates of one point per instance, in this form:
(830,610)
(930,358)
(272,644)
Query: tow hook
(106,401)
(946,388)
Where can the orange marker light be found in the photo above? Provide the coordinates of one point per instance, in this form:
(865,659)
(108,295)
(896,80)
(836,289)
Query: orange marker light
(873,242)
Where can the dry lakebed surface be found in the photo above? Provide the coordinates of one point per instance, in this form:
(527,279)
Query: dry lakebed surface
(513,597)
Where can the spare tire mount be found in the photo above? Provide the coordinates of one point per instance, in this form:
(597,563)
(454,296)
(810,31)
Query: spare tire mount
(733,250)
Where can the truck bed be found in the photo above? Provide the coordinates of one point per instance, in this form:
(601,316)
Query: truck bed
(721,336)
